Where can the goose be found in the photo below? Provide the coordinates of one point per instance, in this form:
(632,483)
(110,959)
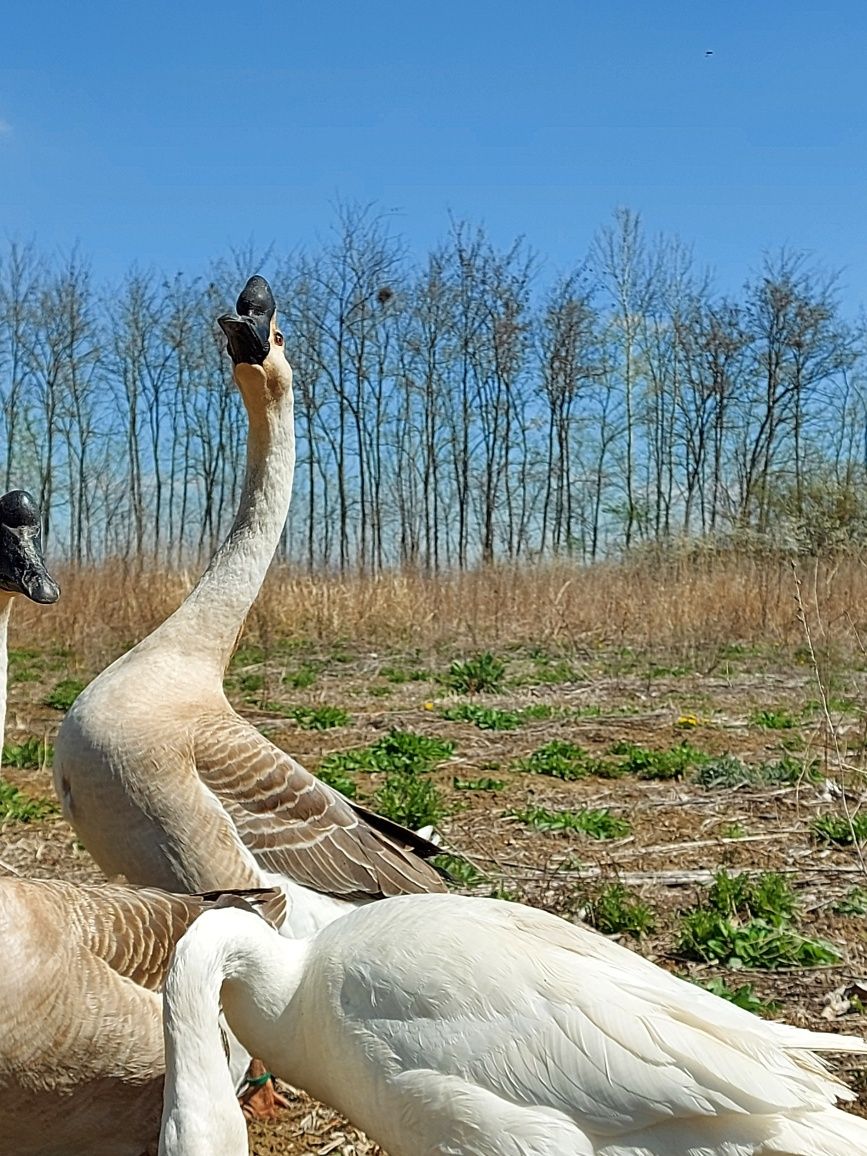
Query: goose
(81,967)
(445,1025)
(159,776)
(81,1037)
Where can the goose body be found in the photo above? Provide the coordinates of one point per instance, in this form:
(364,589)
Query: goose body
(81,1037)
(162,780)
(81,967)
(452,1026)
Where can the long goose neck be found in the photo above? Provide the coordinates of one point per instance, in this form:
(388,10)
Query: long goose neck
(210,618)
(225,950)
(5,610)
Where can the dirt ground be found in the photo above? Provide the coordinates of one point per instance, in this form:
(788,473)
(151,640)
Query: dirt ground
(747,704)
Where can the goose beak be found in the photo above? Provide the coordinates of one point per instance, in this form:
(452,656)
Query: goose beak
(248,329)
(248,339)
(22,564)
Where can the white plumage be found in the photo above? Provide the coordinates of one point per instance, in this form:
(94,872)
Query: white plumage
(450,1026)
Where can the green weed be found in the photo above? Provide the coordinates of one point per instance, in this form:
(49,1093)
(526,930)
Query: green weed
(410,800)
(338,780)
(64,694)
(398,751)
(482,784)
(31,753)
(319,718)
(18,807)
(743,996)
(745,921)
(728,771)
(486,718)
(732,831)
(773,720)
(560,759)
(459,870)
(841,830)
(854,902)
(482,672)
(247,655)
(614,909)
(302,678)
(649,764)
(598,823)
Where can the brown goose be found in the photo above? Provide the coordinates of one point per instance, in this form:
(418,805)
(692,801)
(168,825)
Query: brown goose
(160,777)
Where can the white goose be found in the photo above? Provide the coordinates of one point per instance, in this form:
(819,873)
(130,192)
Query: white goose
(450,1026)
(162,780)
(81,968)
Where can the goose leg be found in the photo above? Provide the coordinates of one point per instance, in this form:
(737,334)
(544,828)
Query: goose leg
(260,1099)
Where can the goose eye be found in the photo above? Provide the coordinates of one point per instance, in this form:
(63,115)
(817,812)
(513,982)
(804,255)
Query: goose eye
(278,337)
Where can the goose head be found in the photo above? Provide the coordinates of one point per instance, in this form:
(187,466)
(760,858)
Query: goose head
(22,565)
(255,344)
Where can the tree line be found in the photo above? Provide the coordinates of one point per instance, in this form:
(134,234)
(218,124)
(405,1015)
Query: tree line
(468,408)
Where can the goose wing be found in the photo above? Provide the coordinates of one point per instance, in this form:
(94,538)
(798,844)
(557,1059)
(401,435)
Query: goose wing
(559,1018)
(298,826)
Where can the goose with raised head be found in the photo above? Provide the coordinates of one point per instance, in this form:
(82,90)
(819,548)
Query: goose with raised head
(159,776)
(452,1026)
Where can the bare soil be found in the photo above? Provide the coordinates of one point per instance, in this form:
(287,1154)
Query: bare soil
(681,833)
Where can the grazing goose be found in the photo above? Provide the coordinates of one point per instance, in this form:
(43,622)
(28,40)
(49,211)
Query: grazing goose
(81,1040)
(449,1026)
(159,776)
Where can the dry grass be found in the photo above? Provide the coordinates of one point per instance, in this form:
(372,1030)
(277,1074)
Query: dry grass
(683,606)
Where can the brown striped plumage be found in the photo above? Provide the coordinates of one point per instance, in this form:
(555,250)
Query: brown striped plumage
(81,1043)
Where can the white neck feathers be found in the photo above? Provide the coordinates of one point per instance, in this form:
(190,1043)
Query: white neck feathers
(209,620)
(236,948)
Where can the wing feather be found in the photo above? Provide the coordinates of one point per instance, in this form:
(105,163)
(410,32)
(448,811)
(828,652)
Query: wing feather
(298,826)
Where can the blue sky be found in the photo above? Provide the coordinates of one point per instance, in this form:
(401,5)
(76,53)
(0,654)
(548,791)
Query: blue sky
(164,133)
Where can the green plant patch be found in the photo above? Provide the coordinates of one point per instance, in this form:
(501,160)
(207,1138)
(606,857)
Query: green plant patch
(560,759)
(301,679)
(598,823)
(773,720)
(18,807)
(64,694)
(399,674)
(842,830)
(723,771)
(648,764)
(398,751)
(743,996)
(854,902)
(732,831)
(341,782)
(484,717)
(482,672)
(485,783)
(459,870)
(765,896)
(319,718)
(247,655)
(706,935)
(746,921)
(614,909)
(251,683)
(32,753)
(410,800)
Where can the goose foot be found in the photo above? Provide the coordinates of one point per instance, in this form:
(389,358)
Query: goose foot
(260,1100)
